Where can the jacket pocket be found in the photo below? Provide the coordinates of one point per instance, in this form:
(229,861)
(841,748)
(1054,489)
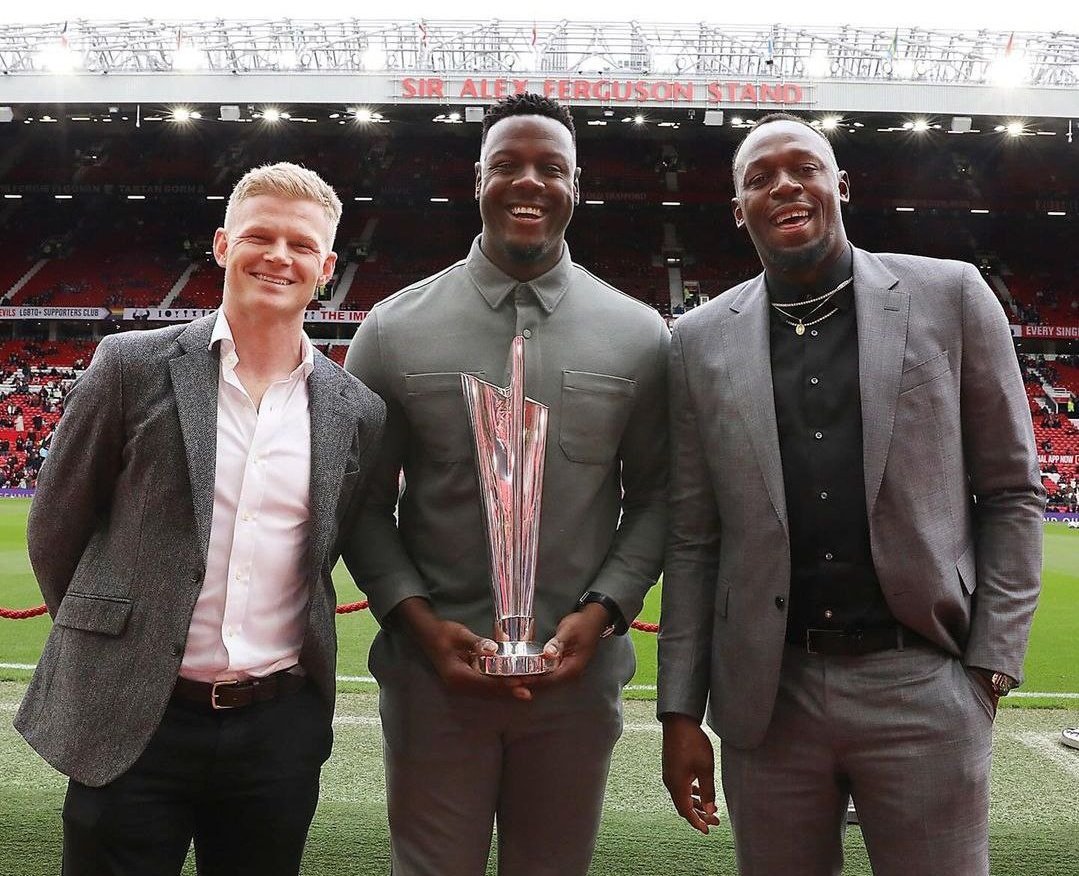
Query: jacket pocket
(595,409)
(931,369)
(94,614)
(966,568)
(435,404)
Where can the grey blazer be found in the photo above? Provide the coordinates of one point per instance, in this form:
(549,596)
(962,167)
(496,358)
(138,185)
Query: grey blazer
(118,536)
(953,490)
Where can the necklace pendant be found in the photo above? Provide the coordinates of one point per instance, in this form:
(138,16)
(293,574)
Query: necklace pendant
(799,329)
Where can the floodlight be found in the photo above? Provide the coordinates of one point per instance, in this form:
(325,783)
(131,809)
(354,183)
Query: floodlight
(187,57)
(818,64)
(271,114)
(373,58)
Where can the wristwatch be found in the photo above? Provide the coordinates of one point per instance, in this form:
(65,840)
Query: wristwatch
(618,624)
(1001,684)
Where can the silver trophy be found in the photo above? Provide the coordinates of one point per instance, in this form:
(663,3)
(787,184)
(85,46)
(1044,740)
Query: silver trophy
(510,436)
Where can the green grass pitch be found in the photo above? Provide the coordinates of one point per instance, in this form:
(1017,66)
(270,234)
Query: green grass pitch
(1035,788)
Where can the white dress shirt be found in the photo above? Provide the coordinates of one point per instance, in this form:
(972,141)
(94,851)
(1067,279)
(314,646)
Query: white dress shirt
(250,617)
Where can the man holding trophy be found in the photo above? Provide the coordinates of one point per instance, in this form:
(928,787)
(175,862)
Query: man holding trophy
(526,408)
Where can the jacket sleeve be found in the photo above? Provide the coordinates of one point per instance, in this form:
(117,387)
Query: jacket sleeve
(634,561)
(692,560)
(373,550)
(76,483)
(1009,499)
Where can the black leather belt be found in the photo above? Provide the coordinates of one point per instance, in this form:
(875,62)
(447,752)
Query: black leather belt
(220,695)
(851,643)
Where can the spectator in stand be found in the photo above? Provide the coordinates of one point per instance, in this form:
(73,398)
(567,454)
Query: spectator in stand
(801,594)
(183,534)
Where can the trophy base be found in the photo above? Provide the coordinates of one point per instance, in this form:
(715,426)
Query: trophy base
(516,658)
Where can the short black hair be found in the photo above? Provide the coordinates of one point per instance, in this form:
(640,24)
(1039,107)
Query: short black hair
(527,104)
(779,117)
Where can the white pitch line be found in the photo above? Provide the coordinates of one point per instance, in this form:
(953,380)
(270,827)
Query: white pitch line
(1049,747)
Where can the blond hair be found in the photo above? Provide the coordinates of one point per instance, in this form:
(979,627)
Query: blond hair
(286,180)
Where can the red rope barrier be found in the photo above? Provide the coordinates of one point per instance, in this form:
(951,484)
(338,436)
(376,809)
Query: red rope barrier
(22,613)
(347,608)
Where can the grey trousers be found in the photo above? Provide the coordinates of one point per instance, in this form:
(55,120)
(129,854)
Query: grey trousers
(908,734)
(456,764)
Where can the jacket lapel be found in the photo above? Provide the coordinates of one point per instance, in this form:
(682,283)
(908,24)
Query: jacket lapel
(334,420)
(883,311)
(194,386)
(747,348)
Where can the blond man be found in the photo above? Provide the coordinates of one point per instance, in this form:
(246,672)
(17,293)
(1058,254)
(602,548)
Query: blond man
(183,534)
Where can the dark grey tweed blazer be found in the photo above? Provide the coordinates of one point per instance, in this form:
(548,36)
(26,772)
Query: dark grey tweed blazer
(119,529)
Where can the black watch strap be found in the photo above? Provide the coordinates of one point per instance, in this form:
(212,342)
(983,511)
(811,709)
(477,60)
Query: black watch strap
(618,622)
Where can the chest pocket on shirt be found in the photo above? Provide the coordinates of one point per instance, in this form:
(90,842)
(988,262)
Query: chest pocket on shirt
(595,408)
(435,404)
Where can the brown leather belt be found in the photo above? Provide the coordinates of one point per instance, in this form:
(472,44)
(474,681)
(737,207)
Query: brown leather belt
(852,643)
(220,695)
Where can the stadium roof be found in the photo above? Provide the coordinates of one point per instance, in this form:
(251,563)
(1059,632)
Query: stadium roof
(586,63)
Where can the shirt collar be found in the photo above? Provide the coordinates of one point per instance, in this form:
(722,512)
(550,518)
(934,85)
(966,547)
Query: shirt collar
(495,285)
(222,334)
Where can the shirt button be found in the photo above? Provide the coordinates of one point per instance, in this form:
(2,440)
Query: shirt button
(527,333)
(818,435)
(814,380)
(828,555)
(827,614)
(247,515)
(814,332)
(824,494)
(780,602)
(228,631)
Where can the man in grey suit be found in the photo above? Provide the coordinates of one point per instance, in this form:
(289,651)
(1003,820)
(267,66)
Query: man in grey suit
(183,534)
(854,551)
(463,749)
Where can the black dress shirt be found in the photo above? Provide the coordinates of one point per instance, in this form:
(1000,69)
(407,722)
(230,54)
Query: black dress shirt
(815,381)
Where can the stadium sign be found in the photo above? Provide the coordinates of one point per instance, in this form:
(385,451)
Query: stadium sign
(1056,459)
(54,312)
(1051,332)
(186,314)
(609,92)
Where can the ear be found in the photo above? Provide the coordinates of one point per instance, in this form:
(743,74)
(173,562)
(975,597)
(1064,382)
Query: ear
(577,186)
(328,265)
(221,246)
(479,176)
(736,208)
(844,187)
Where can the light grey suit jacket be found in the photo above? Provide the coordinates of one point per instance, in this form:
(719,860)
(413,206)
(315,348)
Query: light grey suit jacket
(953,490)
(119,529)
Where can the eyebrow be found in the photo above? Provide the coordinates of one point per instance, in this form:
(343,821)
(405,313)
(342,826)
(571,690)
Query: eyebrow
(265,231)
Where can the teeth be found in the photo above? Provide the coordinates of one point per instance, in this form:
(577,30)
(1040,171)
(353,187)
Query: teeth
(791,217)
(275,280)
(526,211)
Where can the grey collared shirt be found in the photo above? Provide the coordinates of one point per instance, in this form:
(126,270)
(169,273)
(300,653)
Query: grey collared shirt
(596,358)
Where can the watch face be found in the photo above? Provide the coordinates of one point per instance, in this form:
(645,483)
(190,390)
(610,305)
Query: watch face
(1002,684)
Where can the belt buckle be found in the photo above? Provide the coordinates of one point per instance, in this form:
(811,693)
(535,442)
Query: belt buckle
(213,694)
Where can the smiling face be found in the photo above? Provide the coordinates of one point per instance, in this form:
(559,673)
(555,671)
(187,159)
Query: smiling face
(788,194)
(527,186)
(274,252)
